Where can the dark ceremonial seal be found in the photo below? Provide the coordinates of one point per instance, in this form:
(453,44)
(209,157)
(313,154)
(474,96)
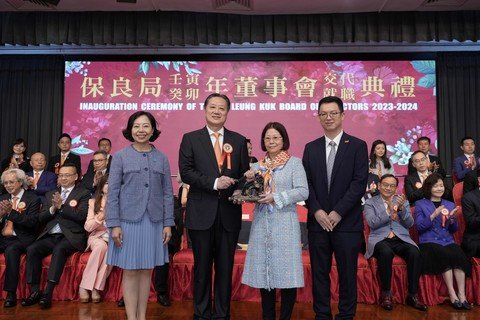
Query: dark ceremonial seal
(251,191)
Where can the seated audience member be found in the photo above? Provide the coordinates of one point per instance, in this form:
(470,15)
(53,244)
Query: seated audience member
(389,218)
(379,162)
(251,158)
(436,221)
(96,270)
(423,144)
(17,157)
(104,144)
(466,162)
(471,180)
(414,181)
(18,222)
(372,187)
(65,156)
(100,168)
(40,180)
(471,214)
(65,213)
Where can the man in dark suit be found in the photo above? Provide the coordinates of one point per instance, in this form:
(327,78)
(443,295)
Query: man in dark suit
(65,156)
(100,168)
(104,144)
(64,214)
(471,214)
(470,182)
(414,181)
(18,222)
(435,165)
(466,162)
(337,170)
(212,220)
(40,180)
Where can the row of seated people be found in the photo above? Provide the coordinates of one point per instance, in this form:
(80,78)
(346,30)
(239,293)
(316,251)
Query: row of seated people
(53,234)
(181,278)
(43,175)
(437,281)
(465,167)
(56,227)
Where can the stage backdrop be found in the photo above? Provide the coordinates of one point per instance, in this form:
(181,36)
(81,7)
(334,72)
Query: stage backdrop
(389,100)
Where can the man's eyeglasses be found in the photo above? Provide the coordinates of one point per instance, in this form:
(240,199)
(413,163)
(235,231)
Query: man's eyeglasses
(333,114)
(388,185)
(420,160)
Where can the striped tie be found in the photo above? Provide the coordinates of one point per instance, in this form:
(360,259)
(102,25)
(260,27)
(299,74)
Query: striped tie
(330,162)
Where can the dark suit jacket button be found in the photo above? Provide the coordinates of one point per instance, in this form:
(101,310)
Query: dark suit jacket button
(146,185)
(144,155)
(146,169)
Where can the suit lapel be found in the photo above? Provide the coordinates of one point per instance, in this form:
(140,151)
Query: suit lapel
(323,161)
(341,151)
(207,145)
(24,198)
(41,179)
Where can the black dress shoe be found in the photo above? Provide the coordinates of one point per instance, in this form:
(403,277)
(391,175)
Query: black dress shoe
(45,302)
(164,300)
(386,302)
(32,299)
(414,301)
(10,303)
(466,305)
(457,305)
(121,303)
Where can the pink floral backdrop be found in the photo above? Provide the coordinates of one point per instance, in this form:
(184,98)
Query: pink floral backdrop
(389,100)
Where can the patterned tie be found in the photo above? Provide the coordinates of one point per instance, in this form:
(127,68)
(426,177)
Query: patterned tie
(7,230)
(36,177)
(473,161)
(62,159)
(64,195)
(330,162)
(217,149)
(379,169)
(424,176)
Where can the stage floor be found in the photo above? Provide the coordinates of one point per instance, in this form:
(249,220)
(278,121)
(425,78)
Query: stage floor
(181,310)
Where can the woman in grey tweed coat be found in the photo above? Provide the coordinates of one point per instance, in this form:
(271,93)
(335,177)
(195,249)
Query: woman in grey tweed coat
(274,256)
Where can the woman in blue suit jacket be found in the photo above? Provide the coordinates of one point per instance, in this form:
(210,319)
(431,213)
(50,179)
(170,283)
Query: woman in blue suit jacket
(435,219)
(139,211)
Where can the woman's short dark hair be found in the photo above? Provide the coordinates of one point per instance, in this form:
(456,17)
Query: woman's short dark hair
(99,193)
(217,95)
(281,129)
(429,183)
(127,132)
(19,141)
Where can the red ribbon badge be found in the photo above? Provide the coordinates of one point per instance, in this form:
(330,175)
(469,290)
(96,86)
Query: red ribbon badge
(445,214)
(227,153)
(21,207)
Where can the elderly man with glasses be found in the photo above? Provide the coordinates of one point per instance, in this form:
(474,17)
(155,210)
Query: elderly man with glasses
(100,168)
(414,181)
